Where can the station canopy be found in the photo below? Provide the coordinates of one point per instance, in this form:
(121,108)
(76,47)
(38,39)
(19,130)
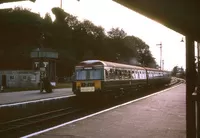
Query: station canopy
(7,1)
(180,15)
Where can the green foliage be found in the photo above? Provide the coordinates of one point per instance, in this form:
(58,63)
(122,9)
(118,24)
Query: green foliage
(116,33)
(178,72)
(174,71)
(22,31)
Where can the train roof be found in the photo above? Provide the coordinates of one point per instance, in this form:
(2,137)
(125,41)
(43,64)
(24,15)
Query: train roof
(107,64)
(115,65)
(154,69)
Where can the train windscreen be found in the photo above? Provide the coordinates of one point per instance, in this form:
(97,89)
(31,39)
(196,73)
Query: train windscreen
(91,74)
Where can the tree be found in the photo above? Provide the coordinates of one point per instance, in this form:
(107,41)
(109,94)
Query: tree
(174,71)
(116,33)
(72,39)
(60,15)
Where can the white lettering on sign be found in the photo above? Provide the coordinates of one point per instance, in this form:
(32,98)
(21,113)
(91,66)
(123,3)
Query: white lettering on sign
(42,69)
(88,68)
(45,64)
(36,64)
(87,89)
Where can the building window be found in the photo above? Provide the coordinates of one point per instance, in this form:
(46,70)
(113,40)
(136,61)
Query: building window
(12,77)
(24,77)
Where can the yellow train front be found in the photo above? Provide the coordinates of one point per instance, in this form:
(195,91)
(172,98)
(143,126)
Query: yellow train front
(88,79)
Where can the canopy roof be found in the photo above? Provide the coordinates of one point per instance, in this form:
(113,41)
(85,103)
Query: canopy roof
(180,16)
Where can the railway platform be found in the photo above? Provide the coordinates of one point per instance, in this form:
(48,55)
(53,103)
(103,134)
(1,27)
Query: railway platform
(26,96)
(160,115)
(34,95)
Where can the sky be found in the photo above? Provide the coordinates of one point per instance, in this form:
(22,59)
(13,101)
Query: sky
(108,14)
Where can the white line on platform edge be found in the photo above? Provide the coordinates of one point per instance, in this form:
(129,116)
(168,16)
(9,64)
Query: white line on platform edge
(35,101)
(85,117)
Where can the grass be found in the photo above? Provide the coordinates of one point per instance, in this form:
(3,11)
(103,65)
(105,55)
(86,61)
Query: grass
(58,86)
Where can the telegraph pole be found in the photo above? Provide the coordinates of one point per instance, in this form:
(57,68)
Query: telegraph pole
(61,4)
(163,64)
(160,54)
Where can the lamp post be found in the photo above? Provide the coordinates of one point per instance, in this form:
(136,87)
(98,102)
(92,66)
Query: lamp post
(61,4)
(163,64)
(160,54)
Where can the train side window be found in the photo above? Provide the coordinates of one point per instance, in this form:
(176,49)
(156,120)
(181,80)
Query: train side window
(135,76)
(119,74)
(116,74)
(132,75)
(123,76)
(112,74)
(138,74)
(107,74)
(129,74)
(126,75)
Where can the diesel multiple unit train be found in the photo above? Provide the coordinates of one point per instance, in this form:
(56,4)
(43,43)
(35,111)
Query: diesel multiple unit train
(96,77)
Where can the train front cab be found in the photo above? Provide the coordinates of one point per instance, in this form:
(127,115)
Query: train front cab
(88,81)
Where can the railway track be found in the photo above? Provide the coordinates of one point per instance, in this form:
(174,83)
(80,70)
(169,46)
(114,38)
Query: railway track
(30,124)
(24,125)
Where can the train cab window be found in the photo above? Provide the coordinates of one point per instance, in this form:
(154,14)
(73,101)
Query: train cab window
(95,74)
(89,74)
